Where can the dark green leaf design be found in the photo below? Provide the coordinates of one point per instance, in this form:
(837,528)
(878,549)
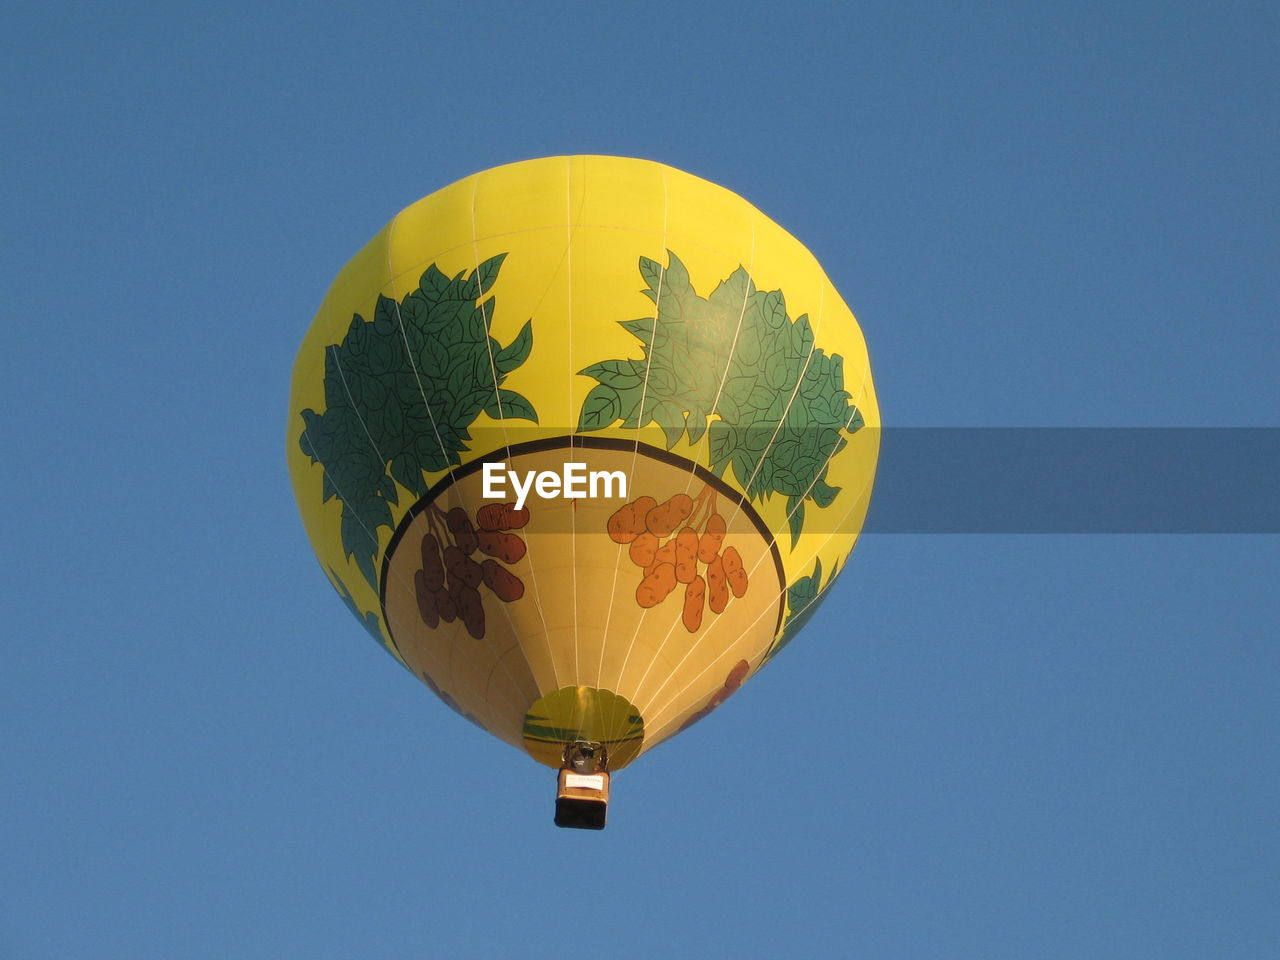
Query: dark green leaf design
(803,598)
(487,272)
(780,401)
(823,494)
(511,405)
(795,518)
(397,413)
(433,283)
(516,352)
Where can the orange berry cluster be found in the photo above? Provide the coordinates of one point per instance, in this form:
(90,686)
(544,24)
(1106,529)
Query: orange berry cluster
(448,584)
(670,550)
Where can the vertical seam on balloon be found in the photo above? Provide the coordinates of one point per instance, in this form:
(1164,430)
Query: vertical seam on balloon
(395,300)
(865,491)
(728,524)
(869,480)
(813,346)
(413,364)
(573,513)
(667,705)
(746,497)
(772,542)
(653,334)
(746,297)
(374,538)
(848,513)
(333,349)
(506,441)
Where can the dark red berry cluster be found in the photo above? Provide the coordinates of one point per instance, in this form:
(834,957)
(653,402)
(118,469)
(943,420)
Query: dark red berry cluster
(448,585)
(731,683)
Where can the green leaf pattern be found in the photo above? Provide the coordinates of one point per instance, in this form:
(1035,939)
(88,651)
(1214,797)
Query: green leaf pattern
(803,598)
(401,391)
(780,401)
(368,620)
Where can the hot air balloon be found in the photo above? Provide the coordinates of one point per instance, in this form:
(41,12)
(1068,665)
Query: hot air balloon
(582,442)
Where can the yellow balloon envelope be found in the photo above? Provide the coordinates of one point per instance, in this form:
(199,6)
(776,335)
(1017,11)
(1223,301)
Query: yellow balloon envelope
(582,441)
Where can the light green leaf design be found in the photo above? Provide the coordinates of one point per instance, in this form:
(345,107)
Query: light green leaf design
(736,355)
(671,418)
(619,374)
(600,409)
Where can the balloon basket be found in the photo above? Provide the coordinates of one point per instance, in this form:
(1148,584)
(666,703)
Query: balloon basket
(582,790)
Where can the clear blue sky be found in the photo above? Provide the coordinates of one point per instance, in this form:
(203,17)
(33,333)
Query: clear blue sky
(1009,746)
